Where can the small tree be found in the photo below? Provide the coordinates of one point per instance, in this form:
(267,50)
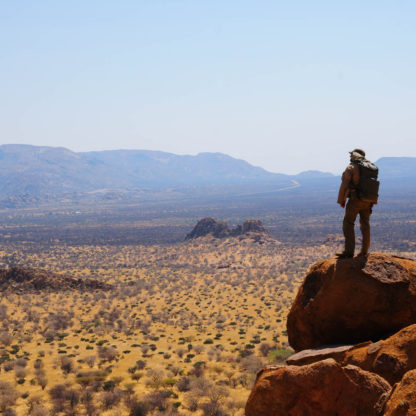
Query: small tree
(107,353)
(5,338)
(90,360)
(137,408)
(110,398)
(66,363)
(41,378)
(8,395)
(264,349)
(137,376)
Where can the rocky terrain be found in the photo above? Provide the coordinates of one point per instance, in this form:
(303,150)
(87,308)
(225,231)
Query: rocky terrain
(353,325)
(353,300)
(20,279)
(220,229)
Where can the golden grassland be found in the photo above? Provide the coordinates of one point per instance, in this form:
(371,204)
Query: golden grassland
(183,331)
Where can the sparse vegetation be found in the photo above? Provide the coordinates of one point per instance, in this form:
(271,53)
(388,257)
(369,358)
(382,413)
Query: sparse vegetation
(183,329)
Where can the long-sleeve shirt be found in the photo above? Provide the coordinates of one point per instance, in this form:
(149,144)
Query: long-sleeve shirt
(351,176)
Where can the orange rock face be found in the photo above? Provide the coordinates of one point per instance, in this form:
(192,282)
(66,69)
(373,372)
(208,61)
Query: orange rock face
(403,399)
(324,388)
(391,358)
(347,301)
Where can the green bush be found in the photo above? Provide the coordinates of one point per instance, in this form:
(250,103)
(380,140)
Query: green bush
(280,354)
(169,382)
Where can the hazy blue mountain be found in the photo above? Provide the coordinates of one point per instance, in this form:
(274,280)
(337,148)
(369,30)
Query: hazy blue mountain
(312,174)
(35,174)
(397,167)
(37,170)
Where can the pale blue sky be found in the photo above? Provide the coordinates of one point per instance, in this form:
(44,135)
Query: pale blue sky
(286,85)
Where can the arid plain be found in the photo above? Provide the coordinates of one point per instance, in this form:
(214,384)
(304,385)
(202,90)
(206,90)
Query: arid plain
(179,328)
(184,326)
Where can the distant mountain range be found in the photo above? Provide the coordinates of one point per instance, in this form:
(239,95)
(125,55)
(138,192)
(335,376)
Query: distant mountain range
(31,169)
(397,167)
(33,173)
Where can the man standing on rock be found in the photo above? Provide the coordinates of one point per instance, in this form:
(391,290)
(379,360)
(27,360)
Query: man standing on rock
(360,186)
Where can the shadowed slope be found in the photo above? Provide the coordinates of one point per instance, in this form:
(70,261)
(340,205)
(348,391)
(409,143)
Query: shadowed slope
(19,279)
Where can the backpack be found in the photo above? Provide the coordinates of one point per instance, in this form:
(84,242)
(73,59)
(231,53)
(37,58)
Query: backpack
(367,188)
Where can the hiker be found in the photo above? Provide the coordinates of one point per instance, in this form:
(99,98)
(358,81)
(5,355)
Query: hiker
(360,186)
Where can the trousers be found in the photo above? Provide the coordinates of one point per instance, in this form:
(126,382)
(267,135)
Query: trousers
(354,207)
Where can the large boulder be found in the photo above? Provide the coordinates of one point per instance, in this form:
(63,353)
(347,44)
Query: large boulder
(324,388)
(403,399)
(390,358)
(346,301)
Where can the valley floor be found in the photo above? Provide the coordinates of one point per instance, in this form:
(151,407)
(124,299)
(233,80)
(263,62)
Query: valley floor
(183,330)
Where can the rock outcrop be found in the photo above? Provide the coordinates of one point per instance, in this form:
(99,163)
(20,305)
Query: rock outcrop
(345,301)
(324,388)
(253,226)
(390,358)
(370,300)
(219,229)
(403,400)
(20,279)
(206,226)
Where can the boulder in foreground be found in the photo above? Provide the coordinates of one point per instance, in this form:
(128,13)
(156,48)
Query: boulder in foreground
(347,301)
(324,388)
(390,358)
(403,399)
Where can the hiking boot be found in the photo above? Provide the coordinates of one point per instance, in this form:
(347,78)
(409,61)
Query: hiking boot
(344,255)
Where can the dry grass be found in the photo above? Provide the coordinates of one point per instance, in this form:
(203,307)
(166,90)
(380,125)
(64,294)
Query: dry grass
(184,330)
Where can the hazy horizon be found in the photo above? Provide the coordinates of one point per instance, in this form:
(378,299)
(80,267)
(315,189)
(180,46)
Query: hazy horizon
(287,87)
(181,154)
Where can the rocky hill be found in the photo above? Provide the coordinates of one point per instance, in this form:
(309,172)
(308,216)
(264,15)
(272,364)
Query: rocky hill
(209,226)
(220,229)
(20,279)
(353,325)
